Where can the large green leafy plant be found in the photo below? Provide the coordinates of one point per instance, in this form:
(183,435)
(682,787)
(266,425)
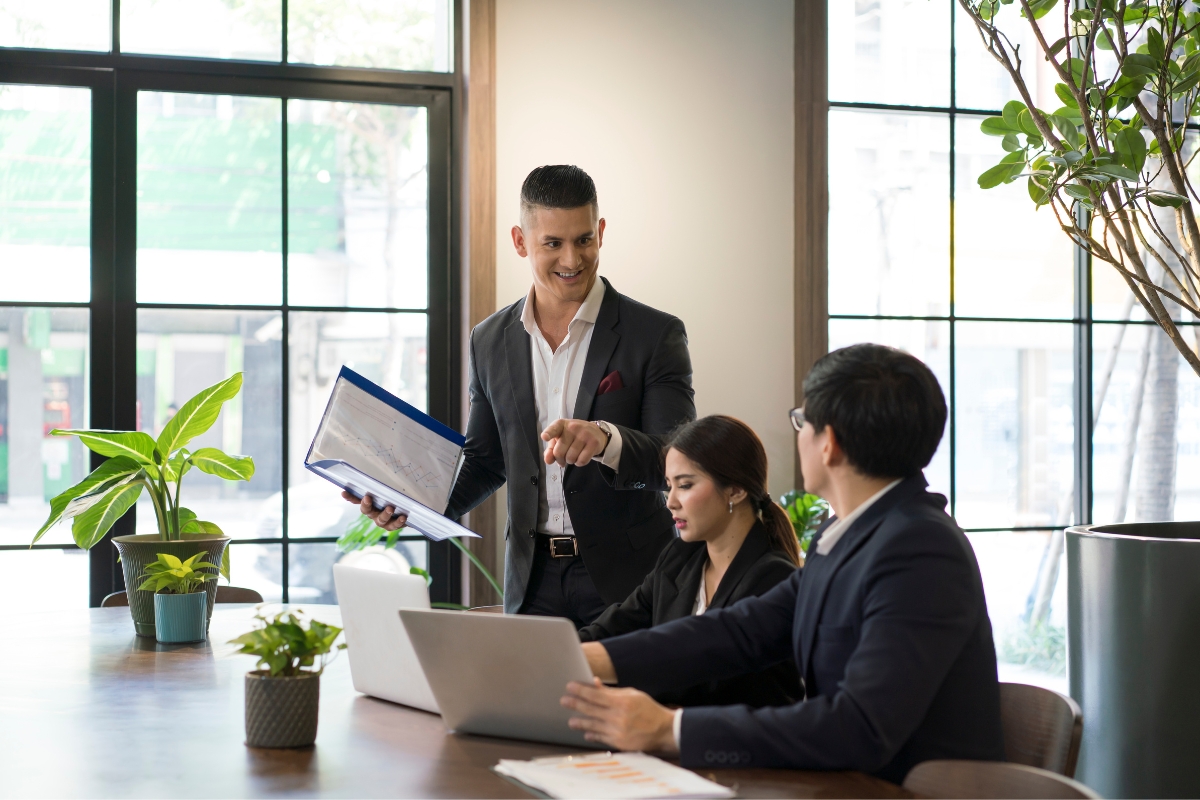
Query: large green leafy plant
(807,512)
(137,462)
(170,575)
(1112,160)
(285,645)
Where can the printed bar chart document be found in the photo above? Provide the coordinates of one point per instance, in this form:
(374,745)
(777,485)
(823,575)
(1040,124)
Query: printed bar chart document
(609,776)
(372,442)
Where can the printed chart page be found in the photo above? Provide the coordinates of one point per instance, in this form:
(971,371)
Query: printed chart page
(610,776)
(389,440)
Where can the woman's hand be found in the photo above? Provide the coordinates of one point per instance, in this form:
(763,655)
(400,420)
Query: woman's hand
(623,719)
(384,519)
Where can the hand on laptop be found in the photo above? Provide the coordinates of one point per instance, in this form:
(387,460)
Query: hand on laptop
(387,519)
(623,719)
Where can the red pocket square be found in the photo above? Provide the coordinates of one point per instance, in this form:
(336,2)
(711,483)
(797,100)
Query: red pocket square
(611,383)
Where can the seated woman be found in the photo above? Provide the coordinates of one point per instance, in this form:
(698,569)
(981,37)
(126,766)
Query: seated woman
(734,542)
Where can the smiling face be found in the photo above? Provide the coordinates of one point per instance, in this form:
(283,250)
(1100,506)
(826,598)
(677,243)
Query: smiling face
(700,507)
(563,248)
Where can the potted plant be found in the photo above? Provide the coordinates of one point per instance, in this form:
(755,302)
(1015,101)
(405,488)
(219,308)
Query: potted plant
(282,695)
(807,512)
(180,602)
(136,463)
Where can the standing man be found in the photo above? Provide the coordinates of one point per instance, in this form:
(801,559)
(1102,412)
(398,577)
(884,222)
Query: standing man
(573,390)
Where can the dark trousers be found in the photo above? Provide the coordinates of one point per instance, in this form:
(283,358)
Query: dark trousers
(562,587)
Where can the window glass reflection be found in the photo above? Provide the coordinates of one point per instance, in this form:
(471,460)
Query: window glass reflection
(250,30)
(358,188)
(45,193)
(43,385)
(210,215)
(889,213)
(385,34)
(1013,424)
(183,352)
(890,51)
(60,25)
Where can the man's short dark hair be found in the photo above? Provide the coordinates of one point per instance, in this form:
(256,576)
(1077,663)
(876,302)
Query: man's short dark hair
(558,186)
(884,405)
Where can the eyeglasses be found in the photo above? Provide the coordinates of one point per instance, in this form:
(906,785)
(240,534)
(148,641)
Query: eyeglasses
(796,415)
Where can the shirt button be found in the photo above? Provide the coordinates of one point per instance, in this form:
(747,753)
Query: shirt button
(553,477)
(556,517)
(556,390)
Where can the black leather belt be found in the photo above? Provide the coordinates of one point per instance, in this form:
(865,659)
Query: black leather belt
(558,546)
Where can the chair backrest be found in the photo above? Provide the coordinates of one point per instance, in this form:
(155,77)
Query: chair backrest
(236,594)
(1042,728)
(225,594)
(991,780)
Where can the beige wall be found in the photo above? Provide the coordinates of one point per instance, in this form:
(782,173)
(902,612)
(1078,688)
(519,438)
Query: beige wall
(682,111)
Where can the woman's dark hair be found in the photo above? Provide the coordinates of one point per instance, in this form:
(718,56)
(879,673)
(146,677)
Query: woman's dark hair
(885,407)
(733,456)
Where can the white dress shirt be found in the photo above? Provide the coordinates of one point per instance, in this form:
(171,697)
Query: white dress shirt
(839,526)
(556,376)
(829,538)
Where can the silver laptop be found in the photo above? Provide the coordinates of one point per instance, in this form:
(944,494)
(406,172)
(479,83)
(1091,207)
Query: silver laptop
(500,674)
(382,662)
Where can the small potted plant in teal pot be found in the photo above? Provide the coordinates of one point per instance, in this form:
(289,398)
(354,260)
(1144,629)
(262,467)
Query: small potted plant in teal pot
(282,695)
(180,599)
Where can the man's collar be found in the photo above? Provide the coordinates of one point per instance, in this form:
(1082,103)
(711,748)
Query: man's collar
(588,312)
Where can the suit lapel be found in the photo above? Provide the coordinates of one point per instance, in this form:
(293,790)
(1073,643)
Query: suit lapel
(820,577)
(748,554)
(520,372)
(686,584)
(603,344)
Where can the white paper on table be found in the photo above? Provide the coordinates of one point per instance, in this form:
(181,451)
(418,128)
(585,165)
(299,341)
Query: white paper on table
(610,776)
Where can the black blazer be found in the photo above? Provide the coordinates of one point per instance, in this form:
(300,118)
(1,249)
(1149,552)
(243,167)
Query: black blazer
(620,518)
(669,592)
(890,632)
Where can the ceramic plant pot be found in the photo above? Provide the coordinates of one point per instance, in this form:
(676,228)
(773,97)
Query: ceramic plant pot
(181,617)
(1133,601)
(281,712)
(139,551)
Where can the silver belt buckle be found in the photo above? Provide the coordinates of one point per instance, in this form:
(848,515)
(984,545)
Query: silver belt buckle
(573,545)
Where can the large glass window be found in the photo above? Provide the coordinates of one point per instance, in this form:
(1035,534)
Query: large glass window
(981,287)
(167,220)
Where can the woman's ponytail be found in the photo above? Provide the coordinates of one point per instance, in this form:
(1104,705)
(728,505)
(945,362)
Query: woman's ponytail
(780,530)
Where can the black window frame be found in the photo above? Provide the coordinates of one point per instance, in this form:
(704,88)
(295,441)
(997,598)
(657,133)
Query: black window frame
(114,79)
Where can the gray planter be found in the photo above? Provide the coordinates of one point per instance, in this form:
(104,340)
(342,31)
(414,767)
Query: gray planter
(181,618)
(281,712)
(138,551)
(1133,649)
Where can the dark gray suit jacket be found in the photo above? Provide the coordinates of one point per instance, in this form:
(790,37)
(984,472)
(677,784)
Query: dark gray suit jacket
(669,592)
(890,632)
(620,518)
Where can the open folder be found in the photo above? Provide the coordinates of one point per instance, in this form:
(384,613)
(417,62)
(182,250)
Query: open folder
(372,442)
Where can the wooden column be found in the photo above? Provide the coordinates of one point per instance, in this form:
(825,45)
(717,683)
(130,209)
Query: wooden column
(811,306)
(481,248)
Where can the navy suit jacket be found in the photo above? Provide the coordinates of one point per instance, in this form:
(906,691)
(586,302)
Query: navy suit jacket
(890,632)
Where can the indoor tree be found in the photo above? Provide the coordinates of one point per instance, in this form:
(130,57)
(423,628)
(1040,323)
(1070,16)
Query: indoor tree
(1111,161)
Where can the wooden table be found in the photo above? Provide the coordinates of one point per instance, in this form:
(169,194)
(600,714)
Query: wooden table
(88,709)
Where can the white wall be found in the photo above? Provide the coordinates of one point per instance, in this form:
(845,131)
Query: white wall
(682,112)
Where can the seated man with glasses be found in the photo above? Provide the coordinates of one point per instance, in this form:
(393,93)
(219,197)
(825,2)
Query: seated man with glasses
(886,623)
